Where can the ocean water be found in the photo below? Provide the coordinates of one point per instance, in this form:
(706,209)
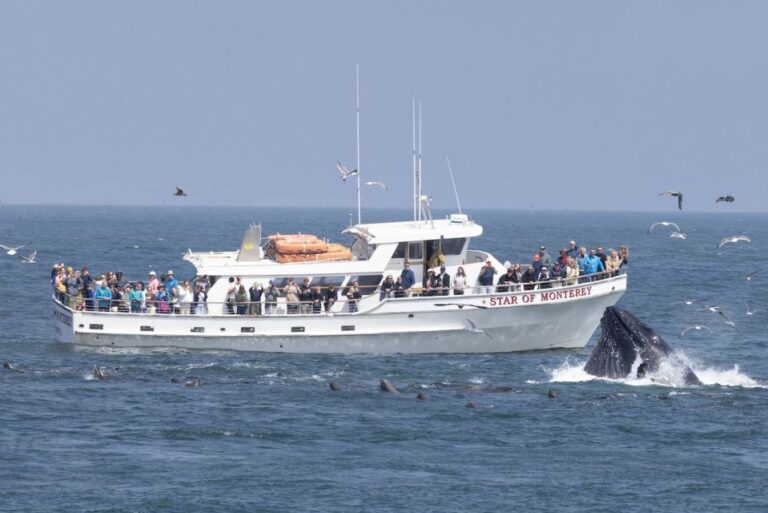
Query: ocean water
(265,433)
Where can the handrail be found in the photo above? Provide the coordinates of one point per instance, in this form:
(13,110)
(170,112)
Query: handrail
(283,308)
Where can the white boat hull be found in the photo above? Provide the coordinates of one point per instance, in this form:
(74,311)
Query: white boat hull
(521,321)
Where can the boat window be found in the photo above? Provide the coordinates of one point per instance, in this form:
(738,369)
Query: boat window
(453,246)
(315,281)
(415,251)
(366,282)
(400,250)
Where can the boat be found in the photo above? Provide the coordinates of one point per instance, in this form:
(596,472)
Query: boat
(544,315)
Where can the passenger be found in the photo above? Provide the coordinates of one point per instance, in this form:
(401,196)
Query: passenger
(580,259)
(104,297)
(409,279)
(353,296)
(573,251)
(544,257)
(170,282)
(85,277)
(137,298)
(74,287)
(292,296)
(624,255)
(152,284)
(517,271)
(317,300)
(241,300)
(125,305)
(536,264)
(602,256)
(89,296)
(544,278)
(485,278)
(201,300)
(563,258)
(271,293)
(528,279)
(459,282)
(443,282)
(60,284)
(557,274)
(162,305)
(506,279)
(428,284)
(119,299)
(592,265)
(255,293)
(121,280)
(613,262)
(305,297)
(571,272)
(330,296)
(398,290)
(387,286)
(229,299)
(185,296)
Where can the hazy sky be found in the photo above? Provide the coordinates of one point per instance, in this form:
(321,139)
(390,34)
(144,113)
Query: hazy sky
(557,105)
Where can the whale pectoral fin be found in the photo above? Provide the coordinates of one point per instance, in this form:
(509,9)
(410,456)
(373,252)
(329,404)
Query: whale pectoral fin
(611,357)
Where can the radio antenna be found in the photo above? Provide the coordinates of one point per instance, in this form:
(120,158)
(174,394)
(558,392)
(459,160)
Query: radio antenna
(455,191)
(415,188)
(357,137)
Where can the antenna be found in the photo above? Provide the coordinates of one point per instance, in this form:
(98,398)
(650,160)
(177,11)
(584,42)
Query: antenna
(357,137)
(455,191)
(415,187)
(419,167)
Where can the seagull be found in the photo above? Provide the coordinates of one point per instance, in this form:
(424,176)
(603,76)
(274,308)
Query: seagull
(677,235)
(462,305)
(472,328)
(752,312)
(727,318)
(679,196)
(687,302)
(29,259)
(663,223)
(379,184)
(11,250)
(751,275)
(345,172)
(727,199)
(713,309)
(718,310)
(179,192)
(697,327)
(735,238)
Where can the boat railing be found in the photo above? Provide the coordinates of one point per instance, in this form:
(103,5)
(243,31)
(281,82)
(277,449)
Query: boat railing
(322,306)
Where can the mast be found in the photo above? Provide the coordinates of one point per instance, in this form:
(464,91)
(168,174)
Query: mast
(415,187)
(419,166)
(357,137)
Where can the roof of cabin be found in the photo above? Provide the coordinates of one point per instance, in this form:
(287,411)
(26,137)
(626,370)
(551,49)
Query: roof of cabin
(382,233)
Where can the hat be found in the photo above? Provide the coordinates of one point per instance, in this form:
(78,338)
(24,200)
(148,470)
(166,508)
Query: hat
(542,247)
(169,272)
(152,273)
(543,267)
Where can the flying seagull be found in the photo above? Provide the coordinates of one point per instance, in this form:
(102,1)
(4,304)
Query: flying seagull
(697,327)
(663,223)
(677,235)
(12,250)
(751,275)
(679,197)
(378,184)
(29,259)
(727,199)
(179,192)
(687,302)
(752,312)
(345,172)
(735,238)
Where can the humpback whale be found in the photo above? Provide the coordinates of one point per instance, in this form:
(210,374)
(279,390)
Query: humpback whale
(625,338)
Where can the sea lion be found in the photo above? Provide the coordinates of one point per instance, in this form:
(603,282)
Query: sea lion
(194,382)
(99,373)
(334,386)
(386,386)
(470,404)
(552,394)
(422,397)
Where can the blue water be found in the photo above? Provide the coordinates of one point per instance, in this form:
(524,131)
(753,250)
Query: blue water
(265,433)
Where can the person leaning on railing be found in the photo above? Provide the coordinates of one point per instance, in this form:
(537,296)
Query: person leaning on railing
(613,262)
(592,265)
(459,282)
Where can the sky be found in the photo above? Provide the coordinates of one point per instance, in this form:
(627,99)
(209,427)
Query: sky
(591,105)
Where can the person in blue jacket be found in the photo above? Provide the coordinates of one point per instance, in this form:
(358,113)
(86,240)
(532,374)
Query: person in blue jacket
(592,264)
(408,278)
(104,297)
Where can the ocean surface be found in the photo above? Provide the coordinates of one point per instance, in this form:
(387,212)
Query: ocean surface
(265,433)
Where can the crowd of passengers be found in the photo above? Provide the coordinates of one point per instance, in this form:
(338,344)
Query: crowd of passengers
(166,295)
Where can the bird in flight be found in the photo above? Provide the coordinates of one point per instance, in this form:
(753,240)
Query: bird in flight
(345,172)
(751,275)
(752,312)
(677,194)
(29,259)
(378,184)
(663,223)
(677,235)
(12,250)
(735,238)
(179,192)
(687,302)
(728,199)
(697,327)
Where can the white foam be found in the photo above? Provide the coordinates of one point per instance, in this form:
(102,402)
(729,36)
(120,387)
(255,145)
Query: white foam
(727,378)
(477,380)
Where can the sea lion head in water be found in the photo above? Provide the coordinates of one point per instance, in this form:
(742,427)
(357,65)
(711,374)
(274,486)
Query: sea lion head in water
(624,339)
(334,386)
(99,373)
(386,386)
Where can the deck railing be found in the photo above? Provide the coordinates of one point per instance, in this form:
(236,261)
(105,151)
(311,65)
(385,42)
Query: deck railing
(340,305)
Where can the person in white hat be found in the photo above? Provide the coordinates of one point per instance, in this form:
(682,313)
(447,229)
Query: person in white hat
(152,284)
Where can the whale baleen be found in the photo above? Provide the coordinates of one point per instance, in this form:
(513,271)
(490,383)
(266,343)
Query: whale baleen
(624,339)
